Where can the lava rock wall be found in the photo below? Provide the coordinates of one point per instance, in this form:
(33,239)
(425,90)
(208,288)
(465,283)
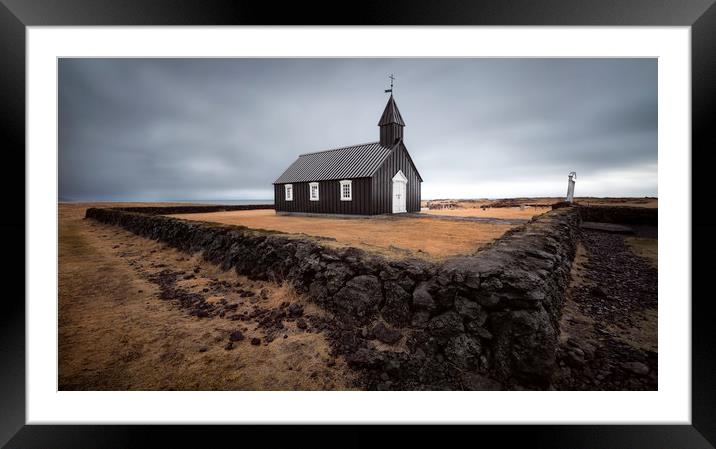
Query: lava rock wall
(620,214)
(487,320)
(192,209)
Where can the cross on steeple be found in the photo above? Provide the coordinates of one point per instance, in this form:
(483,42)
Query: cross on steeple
(392,78)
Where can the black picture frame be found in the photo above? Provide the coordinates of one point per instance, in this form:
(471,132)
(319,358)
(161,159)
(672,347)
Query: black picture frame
(700,15)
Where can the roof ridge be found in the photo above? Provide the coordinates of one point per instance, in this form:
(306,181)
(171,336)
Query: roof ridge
(342,148)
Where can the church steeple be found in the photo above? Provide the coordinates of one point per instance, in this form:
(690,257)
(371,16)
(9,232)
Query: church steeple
(391,124)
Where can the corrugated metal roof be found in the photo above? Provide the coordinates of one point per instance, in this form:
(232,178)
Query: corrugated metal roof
(358,161)
(391,114)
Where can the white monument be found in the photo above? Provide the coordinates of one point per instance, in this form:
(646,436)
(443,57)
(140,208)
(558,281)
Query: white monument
(570,186)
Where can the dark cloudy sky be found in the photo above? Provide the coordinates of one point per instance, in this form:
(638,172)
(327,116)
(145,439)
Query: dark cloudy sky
(193,129)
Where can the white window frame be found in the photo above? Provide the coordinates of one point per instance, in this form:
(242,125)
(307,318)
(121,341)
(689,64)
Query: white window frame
(349,183)
(311,185)
(288,192)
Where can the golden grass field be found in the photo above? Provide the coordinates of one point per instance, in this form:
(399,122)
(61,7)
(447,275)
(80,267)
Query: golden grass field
(393,236)
(492,212)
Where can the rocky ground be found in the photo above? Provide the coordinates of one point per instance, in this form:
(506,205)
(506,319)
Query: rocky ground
(609,323)
(135,314)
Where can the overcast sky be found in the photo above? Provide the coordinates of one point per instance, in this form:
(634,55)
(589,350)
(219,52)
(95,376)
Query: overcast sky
(212,129)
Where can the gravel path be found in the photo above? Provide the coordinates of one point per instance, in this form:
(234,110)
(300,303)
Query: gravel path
(609,338)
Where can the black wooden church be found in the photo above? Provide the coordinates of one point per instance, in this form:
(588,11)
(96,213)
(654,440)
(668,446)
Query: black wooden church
(366,179)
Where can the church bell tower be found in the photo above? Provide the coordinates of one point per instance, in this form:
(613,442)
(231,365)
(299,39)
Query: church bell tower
(391,123)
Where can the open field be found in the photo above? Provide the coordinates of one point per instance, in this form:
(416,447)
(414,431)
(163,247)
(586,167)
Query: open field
(116,333)
(544,201)
(392,236)
(492,212)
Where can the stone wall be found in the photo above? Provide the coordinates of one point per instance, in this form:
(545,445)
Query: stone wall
(488,320)
(620,214)
(191,209)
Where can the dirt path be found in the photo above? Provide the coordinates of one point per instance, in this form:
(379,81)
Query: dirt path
(609,337)
(137,315)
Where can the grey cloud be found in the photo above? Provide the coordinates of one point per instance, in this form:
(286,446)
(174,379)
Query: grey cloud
(160,129)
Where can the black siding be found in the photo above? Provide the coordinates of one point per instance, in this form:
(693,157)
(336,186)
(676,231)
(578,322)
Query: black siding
(389,134)
(371,196)
(382,182)
(329,198)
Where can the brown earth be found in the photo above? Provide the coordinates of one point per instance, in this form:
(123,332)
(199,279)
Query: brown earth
(389,235)
(115,333)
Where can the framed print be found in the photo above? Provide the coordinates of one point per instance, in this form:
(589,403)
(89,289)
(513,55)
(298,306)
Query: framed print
(240,215)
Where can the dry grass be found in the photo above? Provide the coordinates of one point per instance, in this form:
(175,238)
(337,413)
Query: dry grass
(115,334)
(646,248)
(494,212)
(392,236)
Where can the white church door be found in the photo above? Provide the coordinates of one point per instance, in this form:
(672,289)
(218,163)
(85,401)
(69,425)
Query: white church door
(400,192)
